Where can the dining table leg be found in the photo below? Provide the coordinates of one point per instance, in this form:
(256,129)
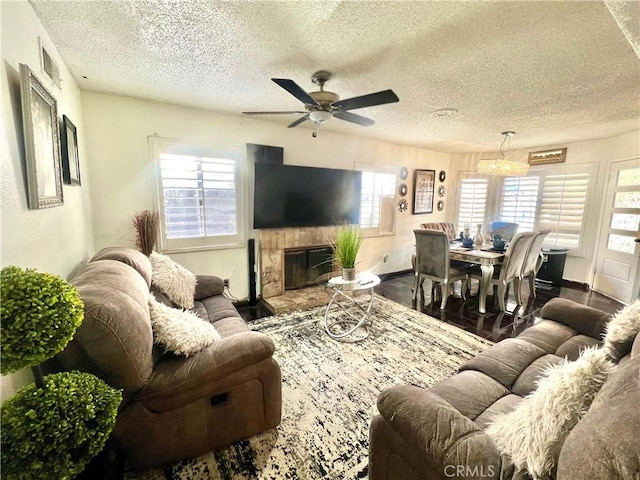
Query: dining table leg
(487,275)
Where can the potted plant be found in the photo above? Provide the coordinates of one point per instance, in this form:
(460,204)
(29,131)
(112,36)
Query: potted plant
(53,427)
(345,247)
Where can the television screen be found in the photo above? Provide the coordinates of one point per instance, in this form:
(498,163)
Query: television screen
(292,196)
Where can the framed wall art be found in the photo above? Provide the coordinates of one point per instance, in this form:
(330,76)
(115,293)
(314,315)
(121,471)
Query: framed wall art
(423,182)
(41,142)
(545,157)
(70,157)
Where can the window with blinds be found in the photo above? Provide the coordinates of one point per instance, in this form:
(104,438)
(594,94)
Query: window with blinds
(472,202)
(519,201)
(562,208)
(376,202)
(199,193)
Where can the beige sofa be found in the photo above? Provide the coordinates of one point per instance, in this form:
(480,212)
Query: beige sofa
(174,407)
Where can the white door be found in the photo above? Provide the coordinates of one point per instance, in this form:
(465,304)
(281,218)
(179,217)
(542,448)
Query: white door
(618,251)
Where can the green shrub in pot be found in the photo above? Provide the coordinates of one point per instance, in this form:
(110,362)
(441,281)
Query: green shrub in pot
(40,313)
(52,428)
(53,432)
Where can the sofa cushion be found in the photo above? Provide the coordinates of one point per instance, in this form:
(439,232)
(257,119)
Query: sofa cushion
(557,339)
(500,407)
(180,331)
(172,279)
(622,330)
(586,320)
(116,332)
(455,390)
(505,361)
(533,433)
(135,259)
(605,443)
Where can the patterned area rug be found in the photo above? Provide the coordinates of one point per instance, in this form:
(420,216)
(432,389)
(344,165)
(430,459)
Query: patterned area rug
(329,394)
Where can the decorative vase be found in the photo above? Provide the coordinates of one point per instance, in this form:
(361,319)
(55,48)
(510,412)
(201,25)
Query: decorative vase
(349,274)
(466,233)
(478,239)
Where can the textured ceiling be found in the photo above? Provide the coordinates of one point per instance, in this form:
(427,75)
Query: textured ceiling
(554,72)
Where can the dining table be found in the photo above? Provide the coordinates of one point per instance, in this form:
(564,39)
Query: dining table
(487,258)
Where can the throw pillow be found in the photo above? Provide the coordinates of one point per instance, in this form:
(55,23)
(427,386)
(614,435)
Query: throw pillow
(533,433)
(622,331)
(180,331)
(172,279)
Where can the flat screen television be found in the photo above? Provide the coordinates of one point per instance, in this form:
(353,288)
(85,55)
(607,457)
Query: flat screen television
(293,196)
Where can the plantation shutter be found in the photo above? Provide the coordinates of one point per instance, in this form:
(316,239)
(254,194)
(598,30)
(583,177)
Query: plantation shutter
(199,194)
(562,208)
(519,201)
(473,201)
(378,190)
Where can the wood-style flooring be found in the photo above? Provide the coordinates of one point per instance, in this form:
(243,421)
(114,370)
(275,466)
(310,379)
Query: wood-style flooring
(493,325)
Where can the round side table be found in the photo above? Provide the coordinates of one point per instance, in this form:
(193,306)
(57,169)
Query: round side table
(347,317)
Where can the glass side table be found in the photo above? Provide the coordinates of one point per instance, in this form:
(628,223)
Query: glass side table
(347,316)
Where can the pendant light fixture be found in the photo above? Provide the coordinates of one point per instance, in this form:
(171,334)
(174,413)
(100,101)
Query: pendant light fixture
(501,166)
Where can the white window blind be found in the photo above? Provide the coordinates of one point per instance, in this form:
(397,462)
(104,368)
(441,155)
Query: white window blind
(519,200)
(200,196)
(472,202)
(377,189)
(562,208)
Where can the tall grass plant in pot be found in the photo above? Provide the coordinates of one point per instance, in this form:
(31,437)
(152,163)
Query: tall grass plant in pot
(51,428)
(345,248)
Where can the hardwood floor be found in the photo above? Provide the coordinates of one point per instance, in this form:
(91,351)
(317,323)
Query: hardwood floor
(493,325)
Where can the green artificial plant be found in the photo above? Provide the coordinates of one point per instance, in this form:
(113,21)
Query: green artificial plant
(346,245)
(51,433)
(40,312)
(52,428)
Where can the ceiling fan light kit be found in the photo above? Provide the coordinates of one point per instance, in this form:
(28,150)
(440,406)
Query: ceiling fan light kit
(322,106)
(502,167)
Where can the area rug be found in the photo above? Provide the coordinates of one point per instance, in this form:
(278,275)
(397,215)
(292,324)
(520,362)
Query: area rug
(329,391)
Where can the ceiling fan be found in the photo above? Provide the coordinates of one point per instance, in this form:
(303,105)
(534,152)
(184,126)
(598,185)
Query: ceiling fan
(323,105)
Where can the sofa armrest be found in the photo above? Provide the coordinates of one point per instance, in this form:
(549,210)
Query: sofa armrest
(177,381)
(451,441)
(586,320)
(208,286)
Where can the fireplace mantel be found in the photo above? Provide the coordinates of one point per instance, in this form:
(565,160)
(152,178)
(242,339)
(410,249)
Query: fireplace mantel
(273,243)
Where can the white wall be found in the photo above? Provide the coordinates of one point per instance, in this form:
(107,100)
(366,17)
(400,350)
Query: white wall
(124,177)
(600,152)
(56,239)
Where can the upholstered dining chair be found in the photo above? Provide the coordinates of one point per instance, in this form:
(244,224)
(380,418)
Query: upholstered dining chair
(531,265)
(507,230)
(432,263)
(511,268)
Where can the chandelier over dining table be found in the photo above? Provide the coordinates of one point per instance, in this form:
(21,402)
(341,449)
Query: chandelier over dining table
(502,166)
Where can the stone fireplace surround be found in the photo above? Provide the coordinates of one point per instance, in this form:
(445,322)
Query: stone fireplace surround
(274,242)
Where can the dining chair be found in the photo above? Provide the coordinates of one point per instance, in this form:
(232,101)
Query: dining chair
(507,230)
(531,265)
(511,267)
(432,263)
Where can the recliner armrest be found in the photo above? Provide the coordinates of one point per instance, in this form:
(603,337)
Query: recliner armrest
(208,286)
(452,442)
(586,320)
(176,381)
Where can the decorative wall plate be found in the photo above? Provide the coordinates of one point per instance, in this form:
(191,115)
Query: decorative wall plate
(442,175)
(440,205)
(402,190)
(403,205)
(404,173)
(442,190)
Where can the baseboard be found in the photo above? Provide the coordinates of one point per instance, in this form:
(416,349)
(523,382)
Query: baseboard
(575,285)
(390,275)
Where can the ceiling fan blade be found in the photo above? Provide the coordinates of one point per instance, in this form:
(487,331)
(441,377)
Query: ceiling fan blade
(299,121)
(353,118)
(378,98)
(294,89)
(271,113)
